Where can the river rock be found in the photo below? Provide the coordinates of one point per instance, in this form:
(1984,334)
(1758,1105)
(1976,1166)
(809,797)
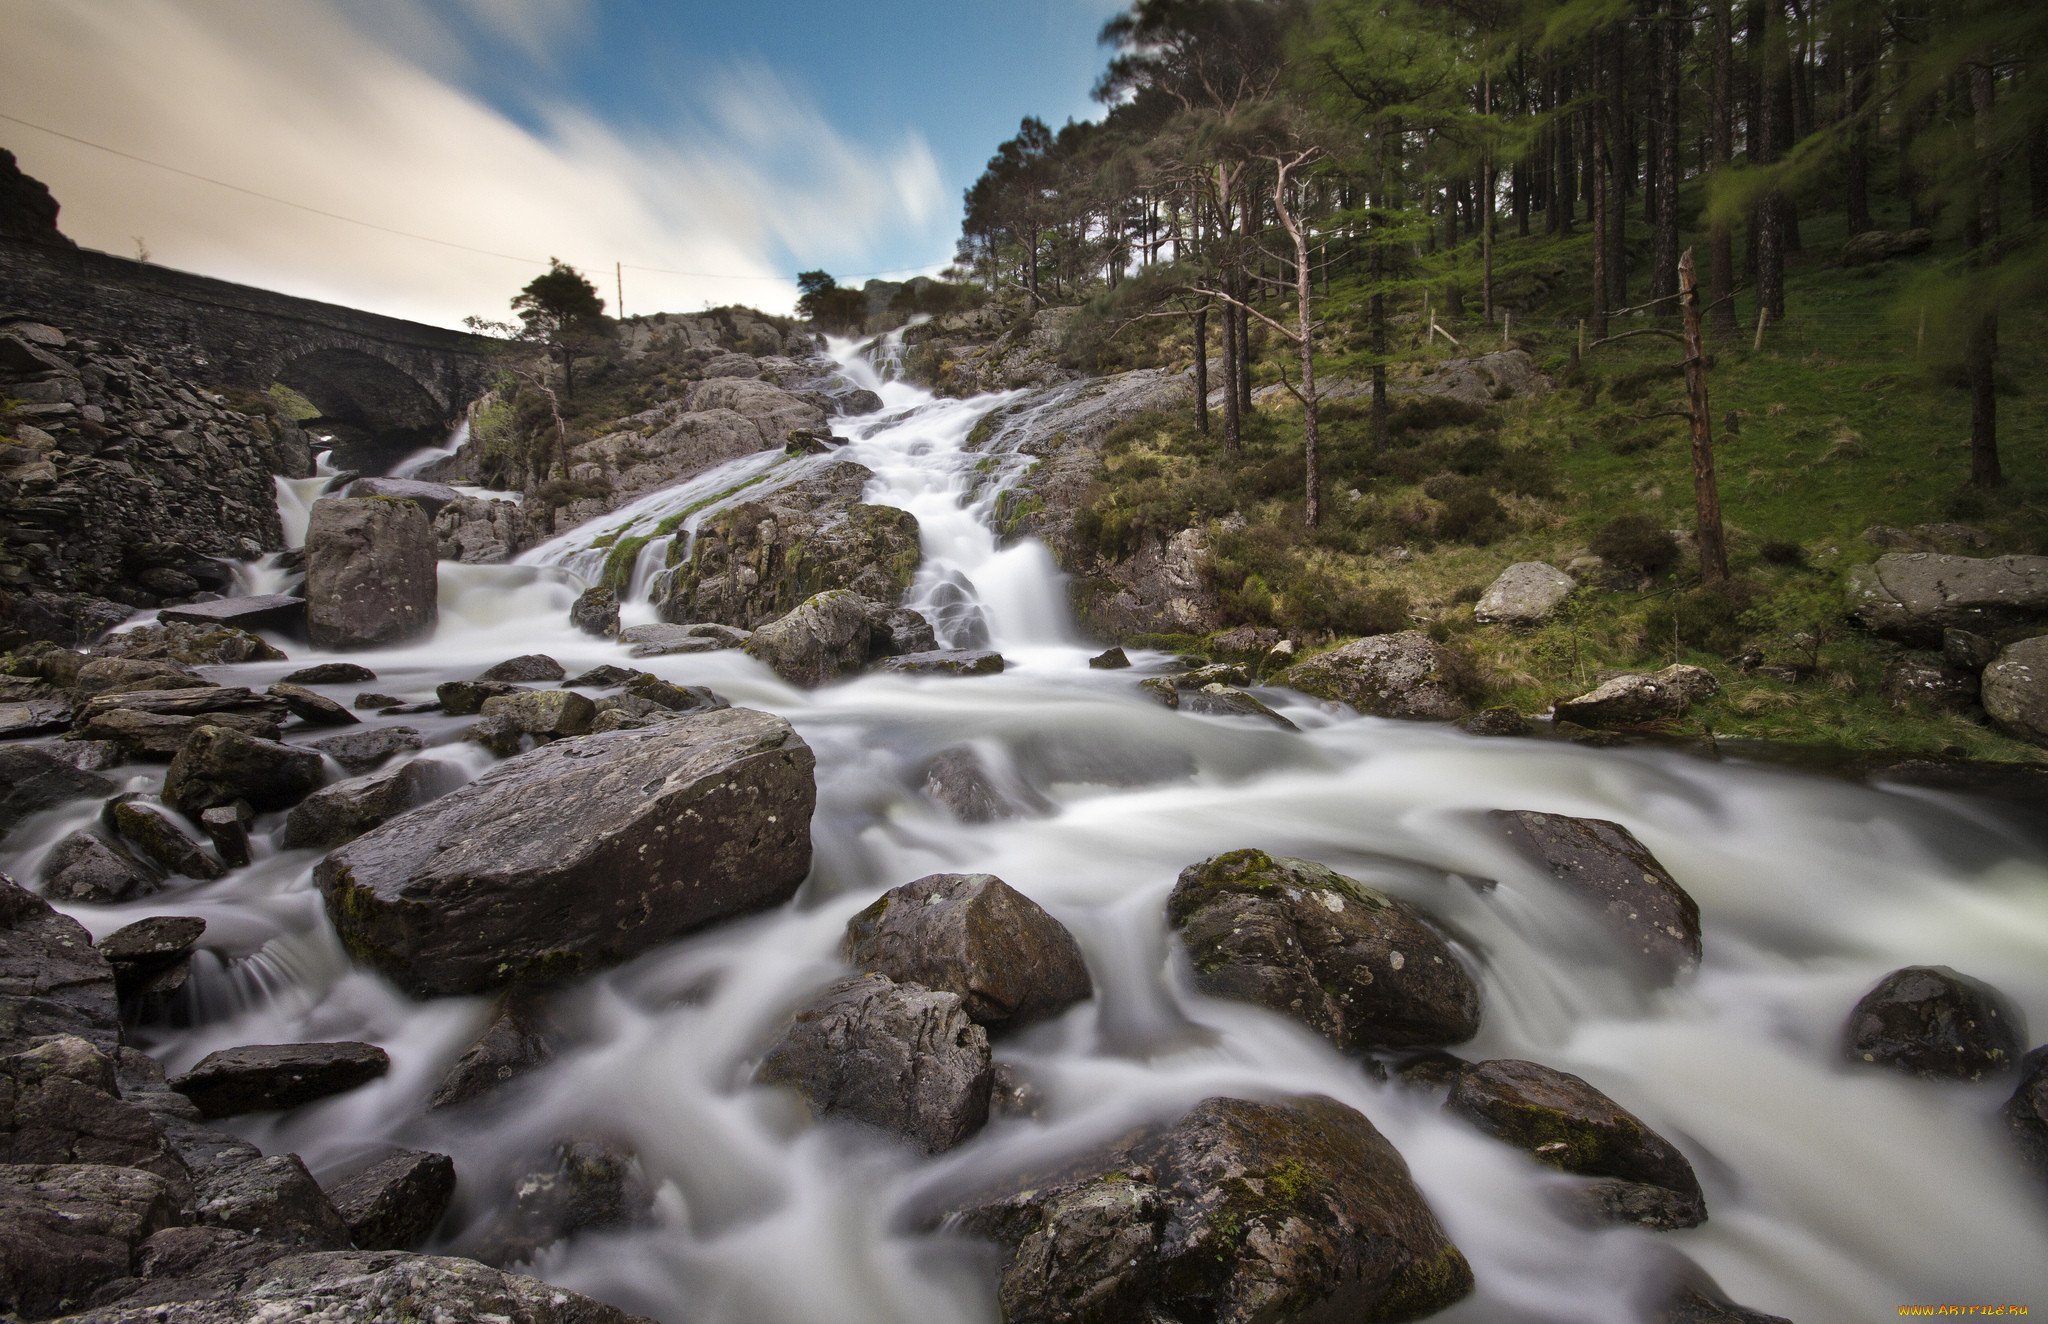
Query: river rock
(347,809)
(1109,659)
(227,827)
(896,1056)
(1497,721)
(462,698)
(1604,865)
(192,644)
(360,751)
(675,698)
(1214,700)
(2026,1112)
(1635,697)
(60,1103)
(658,640)
(549,713)
(1359,967)
(263,1077)
(1292,1210)
(39,716)
(1935,1024)
(604,676)
(394,1203)
(330,673)
(652,832)
(1914,596)
(269,611)
(828,636)
(155,724)
(1564,1122)
(1680,1292)
(52,981)
(592,1183)
(429,497)
(370,1287)
(516,1040)
(960,782)
(273,1197)
(596,612)
(33,779)
(86,867)
(527,666)
(370,573)
(1402,675)
(2015,689)
(976,936)
(954,662)
(158,838)
(67,1228)
(118,675)
(1526,593)
(217,766)
(310,708)
(148,946)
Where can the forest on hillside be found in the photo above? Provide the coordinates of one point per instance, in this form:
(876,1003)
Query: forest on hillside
(1257,154)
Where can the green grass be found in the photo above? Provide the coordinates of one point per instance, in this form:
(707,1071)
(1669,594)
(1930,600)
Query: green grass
(1848,418)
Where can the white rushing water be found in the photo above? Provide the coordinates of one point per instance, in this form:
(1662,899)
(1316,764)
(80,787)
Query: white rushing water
(1835,1194)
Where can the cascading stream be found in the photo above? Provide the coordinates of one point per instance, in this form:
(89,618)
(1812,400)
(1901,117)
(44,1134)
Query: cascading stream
(1834,1193)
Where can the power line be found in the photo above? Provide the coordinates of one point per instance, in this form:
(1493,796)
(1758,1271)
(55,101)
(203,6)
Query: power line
(403,234)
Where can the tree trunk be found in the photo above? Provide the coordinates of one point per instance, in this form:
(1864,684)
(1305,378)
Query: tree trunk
(1855,97)
(1244,349)
(1486,182)
(1664,250)
(1721,241)
(1311,442)
(1202,369)
(1706,492)
(1770,211)
(1620,167)
(1602,200)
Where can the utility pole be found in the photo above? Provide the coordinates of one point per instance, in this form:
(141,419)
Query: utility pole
(619,278)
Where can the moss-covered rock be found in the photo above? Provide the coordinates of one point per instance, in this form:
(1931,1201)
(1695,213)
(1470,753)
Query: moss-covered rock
(1359,967)
(1295,1210)
(1402,675)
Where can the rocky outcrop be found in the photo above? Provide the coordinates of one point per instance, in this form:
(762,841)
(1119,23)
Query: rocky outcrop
(757,560)
(900,1057)
(579,854)
(1609,871)
(27,211)
(370,574)
(1913,596)
(1362,969)
(1526,593)
(970,352)
(976,936)
(1559,1119)
(1404,675)
(121,487)
(1292,1210)
(52,982)
(479,531)
(2015,689)
(1636,698)
(1933,1023)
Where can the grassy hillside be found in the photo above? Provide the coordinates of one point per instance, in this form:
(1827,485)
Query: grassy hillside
(1850,416)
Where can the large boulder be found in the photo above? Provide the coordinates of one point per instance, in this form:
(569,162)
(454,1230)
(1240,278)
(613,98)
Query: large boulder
(596,612)
(394,1203)
(51,979)
(360,751)
(33,779)
(1914,596)
(1404,675)
(896,1056)
(834,634)
(268,611)
(1565,1122)
(1606,868)
(154,724)
(156,836)
(218,766)
(2015,689)
(85,866)
(755,561)
(1526,593)
(370,573)
(974,935)
(1635,697)
(1359,967)
(2026,1112)
(1293,1210)
(580,854)
(430,497)
(1931,1022)
(347,809)
(59,1103)
(68,1228)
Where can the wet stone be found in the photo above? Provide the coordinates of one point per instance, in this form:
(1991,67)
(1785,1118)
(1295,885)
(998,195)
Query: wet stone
(216,766)
(313,709)
(158,838)
(86,867)
(142,949)
(462,698)
(1109,659)
(330,673)
(527,666)
(394,1203)
(1604,865)
(262,1077)
(514,1042)
(361,751)
(1931,1022)
(227,827)
(347,809)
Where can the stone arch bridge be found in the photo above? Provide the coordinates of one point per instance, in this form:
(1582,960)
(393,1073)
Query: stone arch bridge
(388,386)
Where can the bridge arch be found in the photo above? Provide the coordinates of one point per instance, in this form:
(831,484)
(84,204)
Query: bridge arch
(376,411)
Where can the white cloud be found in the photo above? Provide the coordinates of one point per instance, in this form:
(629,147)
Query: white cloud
(298,101)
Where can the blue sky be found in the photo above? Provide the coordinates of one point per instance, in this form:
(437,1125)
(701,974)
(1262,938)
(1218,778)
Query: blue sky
(713,149)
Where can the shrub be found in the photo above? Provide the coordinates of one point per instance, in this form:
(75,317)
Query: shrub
(1777,552)
(1636,542)
(1707,619)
